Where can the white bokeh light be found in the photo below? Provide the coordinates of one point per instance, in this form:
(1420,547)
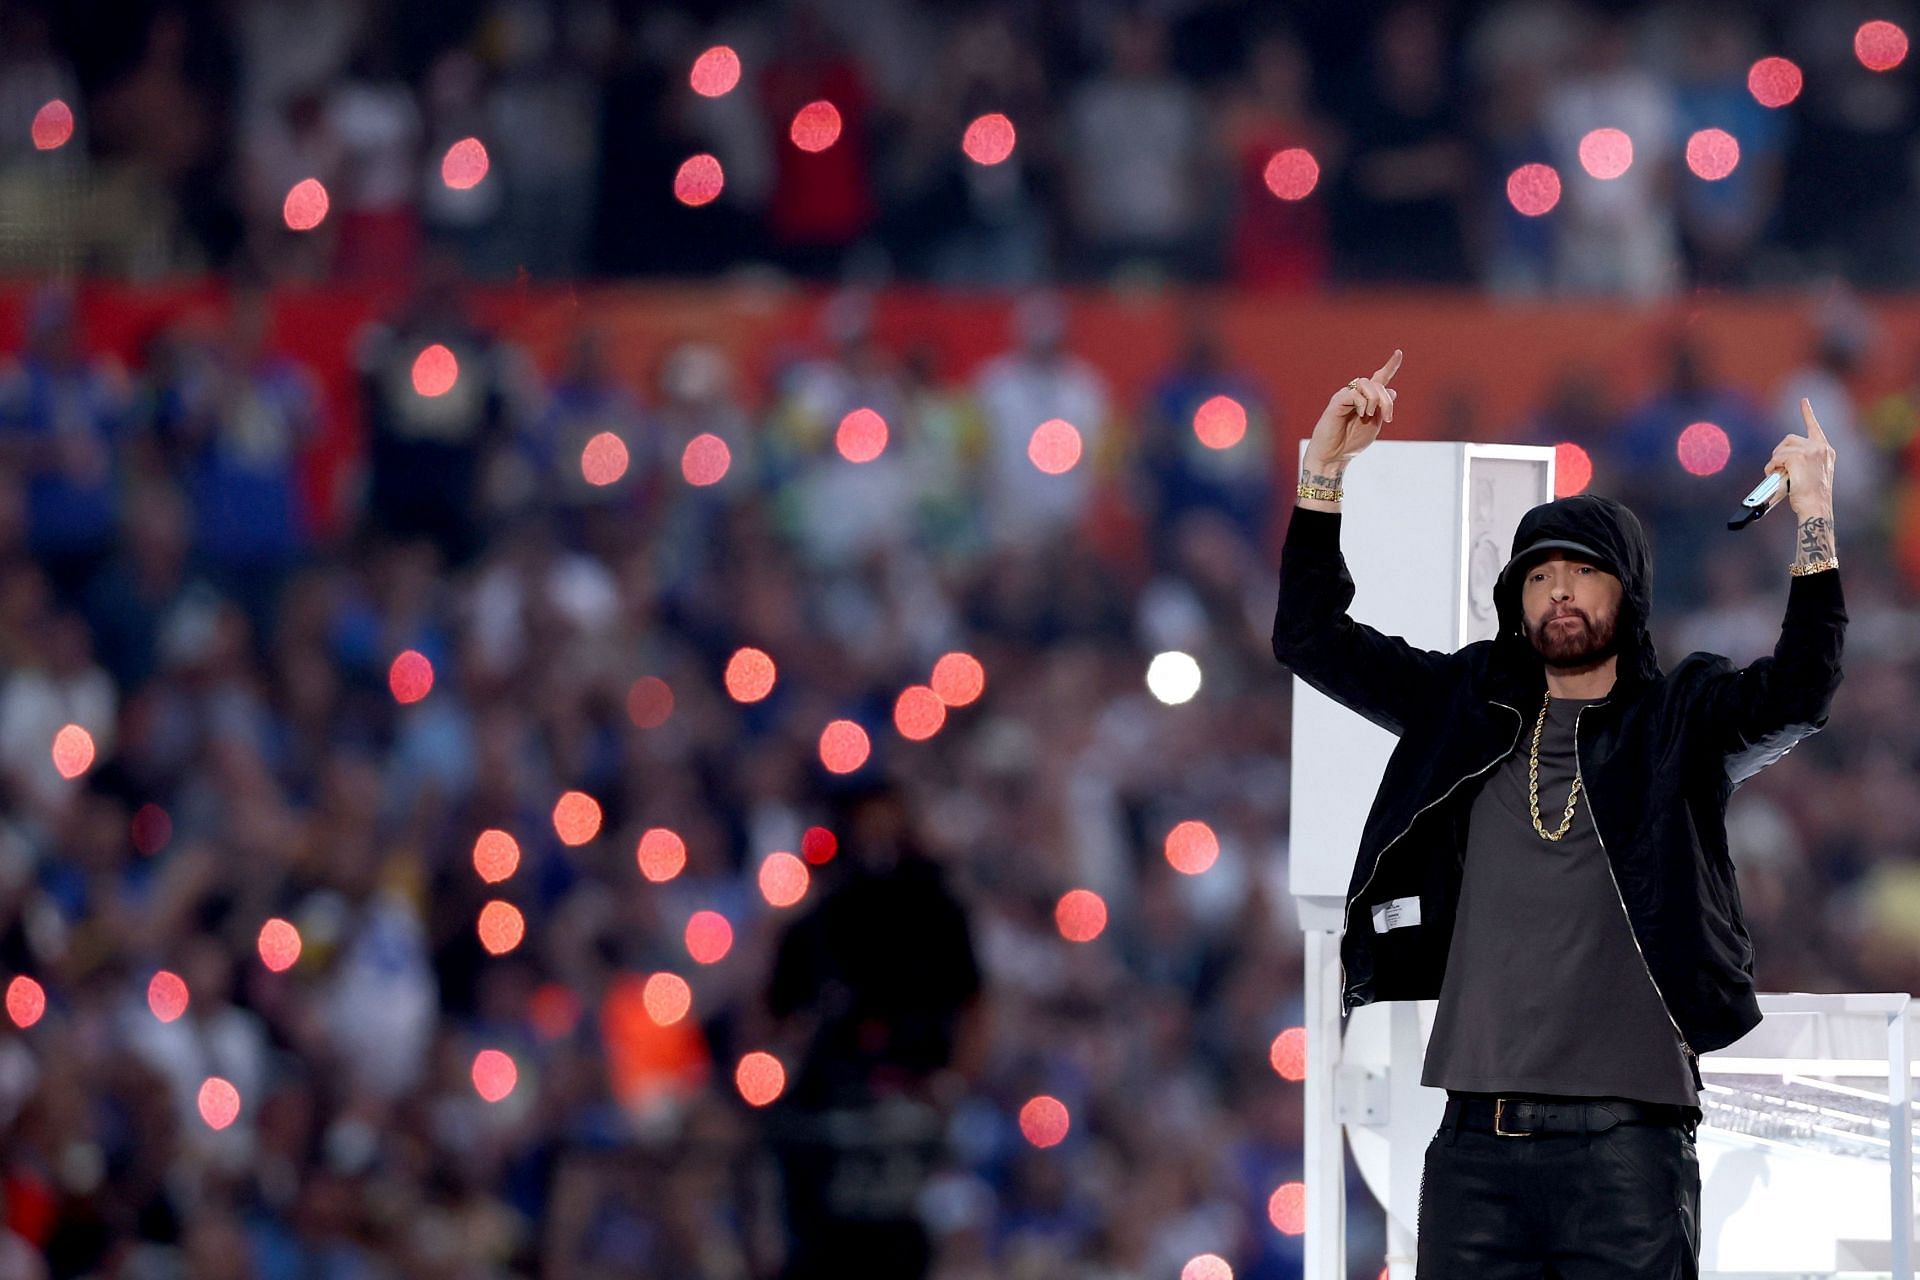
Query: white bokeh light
(1173,677)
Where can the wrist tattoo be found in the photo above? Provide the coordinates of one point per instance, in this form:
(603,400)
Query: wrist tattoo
(1815,542)
(1320,479)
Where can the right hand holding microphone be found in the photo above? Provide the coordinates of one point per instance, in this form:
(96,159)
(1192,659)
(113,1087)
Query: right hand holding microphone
(1354,415)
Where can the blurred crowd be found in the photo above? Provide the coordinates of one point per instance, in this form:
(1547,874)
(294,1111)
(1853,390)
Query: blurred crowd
(257,756)
(1144,136)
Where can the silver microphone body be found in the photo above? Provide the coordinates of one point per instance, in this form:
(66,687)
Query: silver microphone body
(1761,500)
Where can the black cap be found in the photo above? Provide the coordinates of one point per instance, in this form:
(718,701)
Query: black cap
(1535,550)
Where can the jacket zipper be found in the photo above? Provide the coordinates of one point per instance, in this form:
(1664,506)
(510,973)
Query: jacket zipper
(1592,814)
(1346,916)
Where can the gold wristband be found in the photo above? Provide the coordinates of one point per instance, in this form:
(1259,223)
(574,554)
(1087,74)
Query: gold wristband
(1319,493)
(1799,570)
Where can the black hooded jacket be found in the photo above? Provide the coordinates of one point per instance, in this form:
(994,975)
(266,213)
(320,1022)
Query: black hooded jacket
(1658,759)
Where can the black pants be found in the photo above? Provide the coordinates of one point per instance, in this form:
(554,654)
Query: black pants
(1623,1204)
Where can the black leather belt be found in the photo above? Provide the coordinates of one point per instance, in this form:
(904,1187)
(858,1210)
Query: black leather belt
(1521,1117)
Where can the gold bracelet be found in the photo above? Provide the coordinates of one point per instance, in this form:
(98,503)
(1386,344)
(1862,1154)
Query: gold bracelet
(1818,566)
(1321,494)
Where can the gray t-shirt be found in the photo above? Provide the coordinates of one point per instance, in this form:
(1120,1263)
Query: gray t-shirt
(1545,990)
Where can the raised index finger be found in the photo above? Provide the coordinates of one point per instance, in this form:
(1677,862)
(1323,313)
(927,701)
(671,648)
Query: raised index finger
(1387,370)
(1813,424)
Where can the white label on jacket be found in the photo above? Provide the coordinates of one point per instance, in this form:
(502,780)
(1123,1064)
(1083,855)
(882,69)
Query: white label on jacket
(1401,913)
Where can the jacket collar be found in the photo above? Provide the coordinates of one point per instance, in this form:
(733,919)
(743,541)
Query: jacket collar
(1515,675)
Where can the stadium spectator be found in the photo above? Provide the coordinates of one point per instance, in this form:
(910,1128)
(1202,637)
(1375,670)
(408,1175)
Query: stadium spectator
(1407,167)
(442,398)
(1039,381)
(235,419)
(1278,236)
(823,200)
(63,426)
(1722,221)
(1138,160)
(1198,452)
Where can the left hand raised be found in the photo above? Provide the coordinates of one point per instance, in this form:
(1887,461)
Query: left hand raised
(1808,463)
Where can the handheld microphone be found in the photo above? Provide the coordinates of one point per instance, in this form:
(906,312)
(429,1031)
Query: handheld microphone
(1762,500)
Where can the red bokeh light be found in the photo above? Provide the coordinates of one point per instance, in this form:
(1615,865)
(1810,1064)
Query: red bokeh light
(1774,82)
(989,139)
(464,164)
(1206,1266)
(1287,1208)
(662,854)
(1292,174)
(750,674)
(1712,154)
(1055,446)
(649,702)
(843,746)
(219,1102)
(152,828)
(501,927)
(1703,448)
(576,818)
(699,180)
(760,1078)
(1533,189)
(1572,469)
(918,713)
(1289,1054)
(167,995)
(958,678)
(1606,153)
(279,945)
(604,459)
(1081,915)
(783,879)
(410,677)
(715,72)
(709,937)
(435,370)
(496,855)
(816,126)
(1192,847)
(1044,1121)
(72,751)
(1220,423)
(818,845)
(667,998)
(494,1074)
(52,125)
(862,436)
(305,206)
(1880,45)
(26,1001)
(554,1011)
(705,460)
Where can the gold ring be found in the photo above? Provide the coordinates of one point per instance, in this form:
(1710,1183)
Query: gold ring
(1353,385)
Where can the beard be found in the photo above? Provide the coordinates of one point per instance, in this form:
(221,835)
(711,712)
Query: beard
(1583,642)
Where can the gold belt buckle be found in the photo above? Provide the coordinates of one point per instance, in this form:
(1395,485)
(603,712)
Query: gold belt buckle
(1499,1107)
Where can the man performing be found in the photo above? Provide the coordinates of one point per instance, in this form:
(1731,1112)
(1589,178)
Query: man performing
(1547,855)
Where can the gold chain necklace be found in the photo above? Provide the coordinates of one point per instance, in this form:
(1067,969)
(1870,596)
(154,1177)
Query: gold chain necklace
(1533,780)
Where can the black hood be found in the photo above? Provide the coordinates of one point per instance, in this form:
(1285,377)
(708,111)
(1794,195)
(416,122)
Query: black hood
(1610,535)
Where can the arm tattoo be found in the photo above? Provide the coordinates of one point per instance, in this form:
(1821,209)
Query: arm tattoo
(1815,542)
(1321,479)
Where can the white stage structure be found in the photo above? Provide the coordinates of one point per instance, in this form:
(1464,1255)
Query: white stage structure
(1806,1118)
